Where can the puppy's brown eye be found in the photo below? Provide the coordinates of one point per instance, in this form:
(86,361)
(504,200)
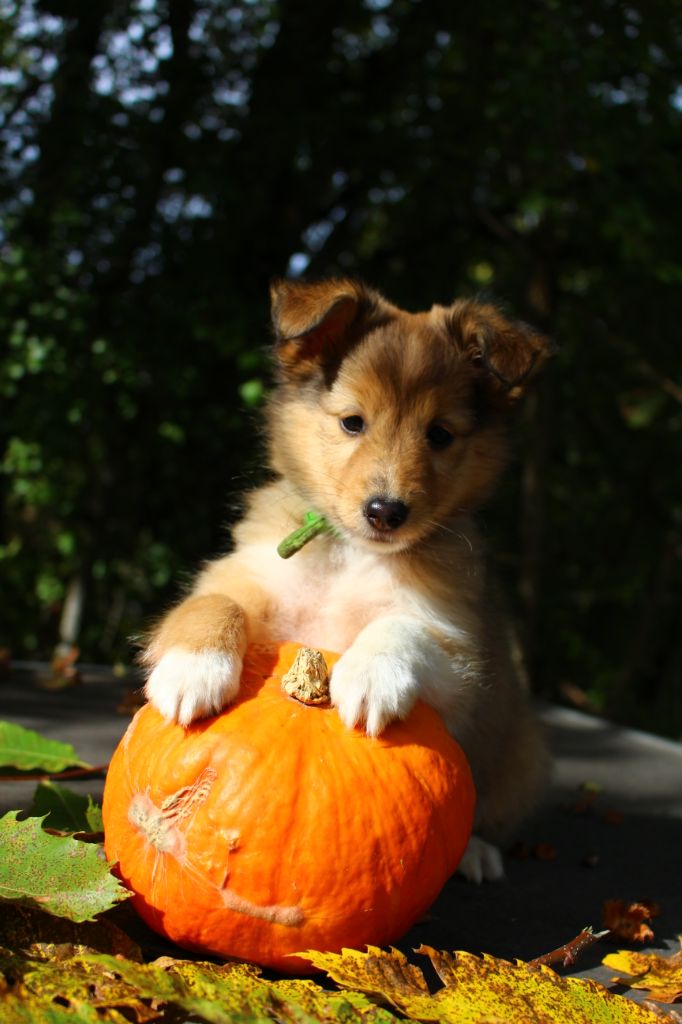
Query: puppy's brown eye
(439,437)
(353,424)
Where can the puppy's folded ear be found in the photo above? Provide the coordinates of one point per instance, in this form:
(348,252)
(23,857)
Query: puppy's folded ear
(318,322)
(507,354)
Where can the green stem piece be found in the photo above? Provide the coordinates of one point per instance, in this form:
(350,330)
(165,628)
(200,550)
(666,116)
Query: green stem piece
(313,524)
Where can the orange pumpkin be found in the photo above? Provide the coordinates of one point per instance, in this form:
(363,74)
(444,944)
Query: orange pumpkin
(272,828)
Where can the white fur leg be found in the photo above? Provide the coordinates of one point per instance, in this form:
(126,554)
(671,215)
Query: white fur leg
(185,686)
(378,678)
(482,862)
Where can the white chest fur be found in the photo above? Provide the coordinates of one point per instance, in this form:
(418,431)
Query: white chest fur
(323,595)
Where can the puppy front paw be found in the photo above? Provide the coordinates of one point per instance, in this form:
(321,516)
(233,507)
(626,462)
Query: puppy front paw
(481,862)
(372,690)
(185,686)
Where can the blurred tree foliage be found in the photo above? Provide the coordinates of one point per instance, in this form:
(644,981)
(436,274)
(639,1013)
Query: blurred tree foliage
(163,159)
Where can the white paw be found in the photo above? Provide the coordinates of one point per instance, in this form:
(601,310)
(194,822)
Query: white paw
(185,686)
(482,862)
(372,690)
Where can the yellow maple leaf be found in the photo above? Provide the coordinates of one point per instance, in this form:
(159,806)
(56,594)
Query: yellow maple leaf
(479,990)
(388,976)
(661,975)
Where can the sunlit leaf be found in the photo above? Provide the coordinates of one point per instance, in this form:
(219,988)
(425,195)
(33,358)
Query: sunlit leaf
(660,975)
(389,977)
(480,990)
(214,993)
(88,992)
(28,750)
(225,992)
(60,875)
(348,1007)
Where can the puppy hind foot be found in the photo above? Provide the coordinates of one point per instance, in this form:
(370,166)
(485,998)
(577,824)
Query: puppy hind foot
(481,862)
(185,686)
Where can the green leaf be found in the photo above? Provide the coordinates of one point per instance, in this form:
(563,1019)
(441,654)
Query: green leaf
(62,991)
(65,810)
(28,1008)
(225,993)
(27,750)
(60,875)
(213,993)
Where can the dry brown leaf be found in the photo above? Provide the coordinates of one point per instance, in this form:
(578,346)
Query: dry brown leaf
(630,921)
(64,671)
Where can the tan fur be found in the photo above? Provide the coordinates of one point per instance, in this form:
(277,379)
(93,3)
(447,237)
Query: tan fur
(411,609)
(208,621)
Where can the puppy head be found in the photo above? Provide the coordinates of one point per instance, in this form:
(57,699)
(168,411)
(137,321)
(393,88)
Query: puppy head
(392,423)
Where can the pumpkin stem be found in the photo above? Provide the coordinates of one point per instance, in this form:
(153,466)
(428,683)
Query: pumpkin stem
(308,678)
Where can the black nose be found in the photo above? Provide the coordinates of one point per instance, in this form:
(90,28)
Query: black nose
(385,513)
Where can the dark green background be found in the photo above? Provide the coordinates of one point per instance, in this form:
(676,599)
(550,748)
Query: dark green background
(164,160)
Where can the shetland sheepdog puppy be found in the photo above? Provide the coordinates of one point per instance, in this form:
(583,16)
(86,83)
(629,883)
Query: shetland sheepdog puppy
(391,425)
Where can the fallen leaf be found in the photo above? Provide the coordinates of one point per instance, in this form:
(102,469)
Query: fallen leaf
(27,750)
(60,875)
(78,983)
(180,989)
(629,921)
(64,672)
(65,810)
(479,990)
(87,988)
(240,984)
(389,977)
(19,1007)
(660,975)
